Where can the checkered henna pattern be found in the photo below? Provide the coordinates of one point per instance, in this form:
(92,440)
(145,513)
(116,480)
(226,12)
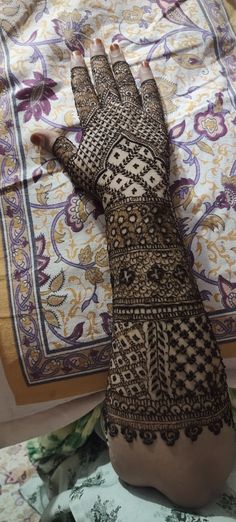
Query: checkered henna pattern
(166,376)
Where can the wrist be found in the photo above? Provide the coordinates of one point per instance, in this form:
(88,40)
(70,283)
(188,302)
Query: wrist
(136,224)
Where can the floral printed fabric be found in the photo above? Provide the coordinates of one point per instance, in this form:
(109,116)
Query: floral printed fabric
(55,287)
(85,487)
(15,470)
(47,451)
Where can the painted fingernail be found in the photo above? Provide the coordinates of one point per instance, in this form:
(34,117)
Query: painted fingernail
(116,53)
(114,47)
(37,139)
(98,41)
(77,59)
(97,47)
(145,63)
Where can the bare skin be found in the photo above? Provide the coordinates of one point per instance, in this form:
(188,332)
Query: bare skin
(189,474)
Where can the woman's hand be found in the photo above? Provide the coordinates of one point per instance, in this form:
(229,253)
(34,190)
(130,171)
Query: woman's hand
(124,150)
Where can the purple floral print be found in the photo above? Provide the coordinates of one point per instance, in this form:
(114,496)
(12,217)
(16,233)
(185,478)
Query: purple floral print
(227,197)
(210,124)
(35,97)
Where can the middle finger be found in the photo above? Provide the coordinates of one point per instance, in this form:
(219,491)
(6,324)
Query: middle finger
(123,76)
(104,81)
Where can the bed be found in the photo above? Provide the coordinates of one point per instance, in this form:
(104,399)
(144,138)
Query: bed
(56,313)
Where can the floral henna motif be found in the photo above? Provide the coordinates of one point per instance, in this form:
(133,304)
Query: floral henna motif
(166,374)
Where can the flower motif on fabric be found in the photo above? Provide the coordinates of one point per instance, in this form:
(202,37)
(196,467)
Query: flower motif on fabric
(228,502)
(168,90)
(35,97)
(132,16)
(77,210)
(228,292)
(211,123)
(73,213)
(179,516)
(94,275)
(74,29)
(227,197)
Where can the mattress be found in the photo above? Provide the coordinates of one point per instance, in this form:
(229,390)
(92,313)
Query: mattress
(56,310)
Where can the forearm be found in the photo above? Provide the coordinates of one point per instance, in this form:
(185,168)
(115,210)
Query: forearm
(166,373)
(149,264)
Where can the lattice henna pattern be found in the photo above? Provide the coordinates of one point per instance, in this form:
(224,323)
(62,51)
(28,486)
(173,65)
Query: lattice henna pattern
(166,375)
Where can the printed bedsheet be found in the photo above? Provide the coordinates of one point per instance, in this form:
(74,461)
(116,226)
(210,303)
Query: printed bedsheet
(55,307)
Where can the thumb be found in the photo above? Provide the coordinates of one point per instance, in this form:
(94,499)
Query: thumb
(62,148)
(44,139)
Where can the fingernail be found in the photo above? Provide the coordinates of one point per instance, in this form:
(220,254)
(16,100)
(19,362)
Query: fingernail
(115,50)
(116,53)
(145,63)
(37,139)
(114,47)
(97,43)
(77,59)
